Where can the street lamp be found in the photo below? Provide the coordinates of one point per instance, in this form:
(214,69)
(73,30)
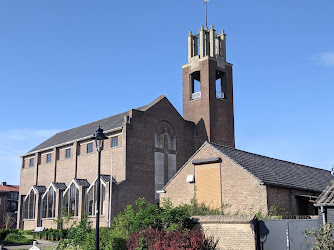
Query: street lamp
(99,137)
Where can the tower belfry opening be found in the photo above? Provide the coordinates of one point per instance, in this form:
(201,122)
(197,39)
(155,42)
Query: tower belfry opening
(208,87)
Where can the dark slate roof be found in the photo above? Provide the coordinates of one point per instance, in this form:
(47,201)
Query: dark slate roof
(39,189)
(106,178)
(82,182)
(59,185)
(327,196)
(276,172)
(109,123)
(87,130)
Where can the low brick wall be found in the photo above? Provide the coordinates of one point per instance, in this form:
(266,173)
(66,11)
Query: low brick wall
(49,223)
(234,232)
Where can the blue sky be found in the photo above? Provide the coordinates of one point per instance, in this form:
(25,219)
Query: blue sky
(66,63)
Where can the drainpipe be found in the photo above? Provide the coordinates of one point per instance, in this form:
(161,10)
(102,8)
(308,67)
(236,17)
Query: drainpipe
(110,192)
(323,216)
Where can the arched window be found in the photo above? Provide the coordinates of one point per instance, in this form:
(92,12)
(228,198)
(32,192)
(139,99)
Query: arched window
(71,200)
(49,203)
(164,154)
(29,205)
(91,199)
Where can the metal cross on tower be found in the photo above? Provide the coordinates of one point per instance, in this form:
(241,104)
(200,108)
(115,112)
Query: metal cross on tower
(206,13)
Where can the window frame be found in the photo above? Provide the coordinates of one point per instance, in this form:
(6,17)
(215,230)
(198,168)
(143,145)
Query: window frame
(28,211)
(48,158)
(68,153)
(67,199)
(114,138)
(46,201)
(91,199)
(89,148)
(31,162)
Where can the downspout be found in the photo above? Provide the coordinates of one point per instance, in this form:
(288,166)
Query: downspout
(110,192)
(323,216)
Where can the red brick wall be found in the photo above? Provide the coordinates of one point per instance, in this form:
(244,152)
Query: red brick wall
(214,118)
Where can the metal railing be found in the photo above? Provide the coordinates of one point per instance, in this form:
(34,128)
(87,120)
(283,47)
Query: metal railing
(196,95)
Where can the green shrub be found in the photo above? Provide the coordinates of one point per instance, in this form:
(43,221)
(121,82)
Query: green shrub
(133,219)
(201,209)
(17,238)
(5,232)
(51,234)
(323,237)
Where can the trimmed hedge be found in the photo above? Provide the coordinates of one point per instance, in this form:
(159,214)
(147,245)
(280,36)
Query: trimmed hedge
(51,234)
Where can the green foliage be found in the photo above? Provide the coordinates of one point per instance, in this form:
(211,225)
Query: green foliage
(51,234)
(323,237)
(133,219)
(276,212)
(109,239)
(26,232)
(78,231)
(16,238)
(151,216)
(5,232)
(200,209)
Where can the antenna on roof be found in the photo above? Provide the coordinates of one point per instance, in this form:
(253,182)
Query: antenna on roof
(332,172)
(206,13)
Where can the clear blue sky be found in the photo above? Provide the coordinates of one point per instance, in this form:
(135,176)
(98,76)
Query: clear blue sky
(66,63)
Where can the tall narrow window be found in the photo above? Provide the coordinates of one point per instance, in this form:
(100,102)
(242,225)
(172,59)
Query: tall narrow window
(68,153)
(49,203)
(220,85)
(195,85)
(31,162)
(29,205)
(91,199)
(48,158)
(71,200)
(89,148)
(114,142)
(44,206)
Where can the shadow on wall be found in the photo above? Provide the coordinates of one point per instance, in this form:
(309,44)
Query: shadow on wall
(201,131)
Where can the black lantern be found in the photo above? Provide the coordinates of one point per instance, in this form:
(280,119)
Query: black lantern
(99,137)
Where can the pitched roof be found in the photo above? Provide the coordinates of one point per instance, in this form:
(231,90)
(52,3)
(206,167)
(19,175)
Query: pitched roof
(87,130)
(327,196)
(277,172)
(82,182)
(106,178)
(9,188)
(39,189)
(59,185)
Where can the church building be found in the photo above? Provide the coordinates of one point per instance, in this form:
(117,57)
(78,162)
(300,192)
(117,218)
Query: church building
(146,150)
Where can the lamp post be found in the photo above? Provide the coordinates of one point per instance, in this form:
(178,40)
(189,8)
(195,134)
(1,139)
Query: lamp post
(99,137)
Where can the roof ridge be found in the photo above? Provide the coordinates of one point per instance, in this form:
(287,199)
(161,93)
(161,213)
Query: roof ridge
(264,156)
(151,104)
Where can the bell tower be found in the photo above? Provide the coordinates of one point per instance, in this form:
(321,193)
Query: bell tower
(208,88)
